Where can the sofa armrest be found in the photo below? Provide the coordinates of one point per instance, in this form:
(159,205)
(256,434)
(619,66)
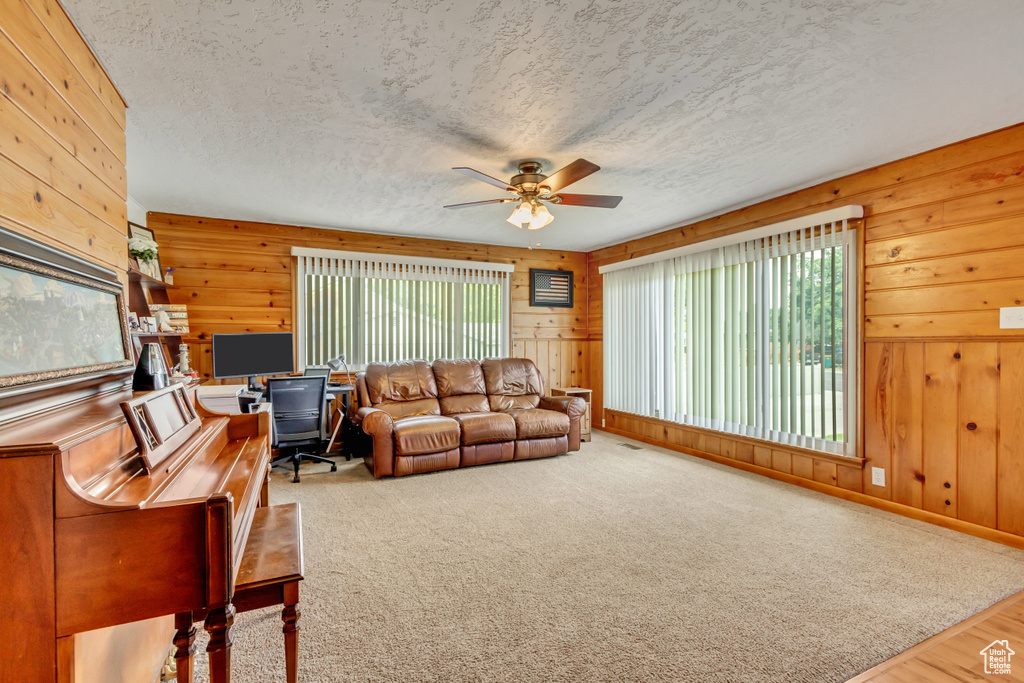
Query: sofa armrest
(375,421)
(381,426)
(573,406)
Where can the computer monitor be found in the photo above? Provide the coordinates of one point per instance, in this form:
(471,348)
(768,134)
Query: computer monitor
(249,355)
(314,371)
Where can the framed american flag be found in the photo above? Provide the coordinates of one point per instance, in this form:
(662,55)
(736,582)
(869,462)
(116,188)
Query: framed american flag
(551,288)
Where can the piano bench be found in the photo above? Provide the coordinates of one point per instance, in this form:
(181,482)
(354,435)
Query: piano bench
(268,575)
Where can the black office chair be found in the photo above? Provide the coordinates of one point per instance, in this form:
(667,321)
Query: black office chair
(298,406)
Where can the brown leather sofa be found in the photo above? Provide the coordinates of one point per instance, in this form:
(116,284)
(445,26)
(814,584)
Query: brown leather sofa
(455,413)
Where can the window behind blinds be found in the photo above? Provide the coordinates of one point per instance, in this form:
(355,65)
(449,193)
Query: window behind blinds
(754,338)
(378,308)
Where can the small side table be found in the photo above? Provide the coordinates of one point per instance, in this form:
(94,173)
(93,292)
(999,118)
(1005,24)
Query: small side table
(585,395)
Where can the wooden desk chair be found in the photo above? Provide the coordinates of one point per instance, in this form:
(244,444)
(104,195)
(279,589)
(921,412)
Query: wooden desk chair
(268,575)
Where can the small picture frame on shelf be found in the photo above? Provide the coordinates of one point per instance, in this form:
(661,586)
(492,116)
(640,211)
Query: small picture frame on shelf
(133,322)
(148,267)
(147,324)
(136,230)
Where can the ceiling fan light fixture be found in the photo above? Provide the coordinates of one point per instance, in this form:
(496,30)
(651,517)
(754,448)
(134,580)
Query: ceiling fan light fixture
(541,216)
(521,215)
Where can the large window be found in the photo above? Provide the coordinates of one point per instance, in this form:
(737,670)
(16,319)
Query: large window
(380,308)
(749,338)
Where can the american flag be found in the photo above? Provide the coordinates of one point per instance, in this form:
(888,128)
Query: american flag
(551,288)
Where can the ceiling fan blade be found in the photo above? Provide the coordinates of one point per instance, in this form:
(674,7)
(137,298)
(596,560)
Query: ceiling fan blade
(472,173)
(577,170)
(601,201)
(486,201)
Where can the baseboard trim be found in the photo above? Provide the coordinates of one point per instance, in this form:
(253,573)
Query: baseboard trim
(969,528)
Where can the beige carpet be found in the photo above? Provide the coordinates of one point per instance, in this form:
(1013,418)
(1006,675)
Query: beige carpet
(609,565)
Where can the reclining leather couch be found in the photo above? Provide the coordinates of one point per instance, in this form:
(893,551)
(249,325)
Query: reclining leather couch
(455,413)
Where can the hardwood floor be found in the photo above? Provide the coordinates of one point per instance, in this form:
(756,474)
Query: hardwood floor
(955,654)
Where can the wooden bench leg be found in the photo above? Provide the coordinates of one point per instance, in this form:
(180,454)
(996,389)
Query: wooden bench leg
(218,625)
(290,615)
(185,644)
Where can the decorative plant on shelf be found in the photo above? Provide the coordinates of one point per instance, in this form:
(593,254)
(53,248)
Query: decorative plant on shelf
(145,251)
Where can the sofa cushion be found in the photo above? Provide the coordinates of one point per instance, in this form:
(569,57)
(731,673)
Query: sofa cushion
(458,377)
(536,423)
(502,402)
(407,380)
(425,434)
(512,377)
(486,427)
(467,403)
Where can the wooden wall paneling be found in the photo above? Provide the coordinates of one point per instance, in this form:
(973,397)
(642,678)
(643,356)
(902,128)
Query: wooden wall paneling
(60,26)
(907,413)
(554,364)
(825,472)
(979,391)
(879,226)
(939,427)
(27,145)
(958,239)
(972,267)
(850,478)
(1010,462)
(26,87)
(878,416)
(962,325)
(24,29)
(782,461)
(803,466)
(50,217)
(762,455)
(1008,201)
(968,297)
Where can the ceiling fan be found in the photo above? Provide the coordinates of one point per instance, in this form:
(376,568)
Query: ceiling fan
(531,187)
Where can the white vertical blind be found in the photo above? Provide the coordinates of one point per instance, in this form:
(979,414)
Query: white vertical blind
(379,308)
(754,338)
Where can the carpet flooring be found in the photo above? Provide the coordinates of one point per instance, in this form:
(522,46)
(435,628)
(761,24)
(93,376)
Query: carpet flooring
(608,564)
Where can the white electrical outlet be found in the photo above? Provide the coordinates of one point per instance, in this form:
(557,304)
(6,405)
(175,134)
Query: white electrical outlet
(877,476)
(1011,318)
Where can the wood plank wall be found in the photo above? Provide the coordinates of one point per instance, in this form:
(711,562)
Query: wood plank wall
(942,399)
(62,140)
(236,276)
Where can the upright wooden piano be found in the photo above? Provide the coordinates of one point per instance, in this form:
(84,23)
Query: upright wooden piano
(96,531)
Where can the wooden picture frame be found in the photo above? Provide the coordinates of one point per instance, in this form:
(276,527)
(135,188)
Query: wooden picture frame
(136,230)
(161,421)
(551,288)
(60,317)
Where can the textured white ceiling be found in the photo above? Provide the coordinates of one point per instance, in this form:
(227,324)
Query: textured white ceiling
(351,114)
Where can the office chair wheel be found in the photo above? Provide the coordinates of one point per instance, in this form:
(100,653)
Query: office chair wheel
(334,468)
(295,479)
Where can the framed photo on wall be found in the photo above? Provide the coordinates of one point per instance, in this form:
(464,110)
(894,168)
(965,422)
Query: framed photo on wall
(551,288)
(60,316)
